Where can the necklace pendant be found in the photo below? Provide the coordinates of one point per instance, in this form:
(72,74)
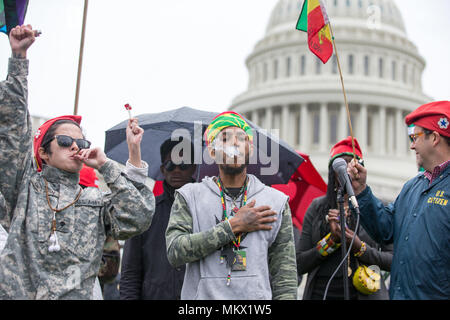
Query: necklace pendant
(349,272)
(54,245)
(235,209)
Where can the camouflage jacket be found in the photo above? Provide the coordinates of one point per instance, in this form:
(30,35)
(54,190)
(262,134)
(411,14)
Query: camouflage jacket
(110,264)
(196,235)
(27,269)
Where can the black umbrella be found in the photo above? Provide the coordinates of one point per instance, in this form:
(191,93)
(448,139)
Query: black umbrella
(274,169)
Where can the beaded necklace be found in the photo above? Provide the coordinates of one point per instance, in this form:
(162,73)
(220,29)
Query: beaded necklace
(224,206)
(237,244)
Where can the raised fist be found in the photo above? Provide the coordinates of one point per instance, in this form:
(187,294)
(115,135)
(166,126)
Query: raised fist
(20,39)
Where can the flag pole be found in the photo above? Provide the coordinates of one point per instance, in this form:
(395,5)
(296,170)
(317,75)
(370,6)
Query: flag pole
(343,90)
(80,57)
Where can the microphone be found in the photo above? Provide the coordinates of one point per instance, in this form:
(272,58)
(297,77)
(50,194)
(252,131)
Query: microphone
(340,167)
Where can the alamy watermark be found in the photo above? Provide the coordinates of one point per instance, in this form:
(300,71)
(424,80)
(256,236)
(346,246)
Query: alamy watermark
(374,17)
(265,149)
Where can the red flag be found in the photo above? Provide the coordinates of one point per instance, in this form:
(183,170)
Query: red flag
(314,20)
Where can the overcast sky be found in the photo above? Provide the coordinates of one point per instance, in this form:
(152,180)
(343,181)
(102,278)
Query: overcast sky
(161,55)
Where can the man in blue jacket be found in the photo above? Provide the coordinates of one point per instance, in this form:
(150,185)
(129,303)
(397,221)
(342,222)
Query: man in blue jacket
(418,221)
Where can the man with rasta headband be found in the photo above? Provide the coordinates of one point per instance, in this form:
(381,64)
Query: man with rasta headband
(233,232)
(56,229)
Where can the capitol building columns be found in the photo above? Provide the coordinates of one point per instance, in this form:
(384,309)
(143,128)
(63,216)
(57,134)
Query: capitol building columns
(363,125)
(285,119)
(343,120)
(324,132)
(400,133)
(303,125)
(269,121)
(379,129)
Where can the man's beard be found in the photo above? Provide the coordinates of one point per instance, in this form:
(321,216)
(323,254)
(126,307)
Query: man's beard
(232,171)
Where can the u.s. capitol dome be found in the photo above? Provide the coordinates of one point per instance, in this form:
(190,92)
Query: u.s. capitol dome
(291,90)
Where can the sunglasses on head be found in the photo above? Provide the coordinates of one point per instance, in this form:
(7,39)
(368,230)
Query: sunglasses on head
(169,165)
(66,141)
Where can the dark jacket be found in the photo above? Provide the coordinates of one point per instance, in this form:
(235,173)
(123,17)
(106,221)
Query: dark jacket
(146,273)
(309,259)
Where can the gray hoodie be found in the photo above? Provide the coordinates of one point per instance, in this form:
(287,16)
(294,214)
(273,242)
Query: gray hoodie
(200,247)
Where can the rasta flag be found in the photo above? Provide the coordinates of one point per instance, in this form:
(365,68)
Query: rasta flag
(314,20)
(12,13)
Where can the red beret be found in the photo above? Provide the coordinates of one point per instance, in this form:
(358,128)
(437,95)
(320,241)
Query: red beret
(344,147)
(88,178)
(40,133)
(433,116)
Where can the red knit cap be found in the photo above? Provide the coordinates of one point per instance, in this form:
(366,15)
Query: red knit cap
(344,147)
(88,178)
(433,116)
(39,136)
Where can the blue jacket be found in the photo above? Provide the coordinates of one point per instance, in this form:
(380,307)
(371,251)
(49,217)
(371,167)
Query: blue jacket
(418,223)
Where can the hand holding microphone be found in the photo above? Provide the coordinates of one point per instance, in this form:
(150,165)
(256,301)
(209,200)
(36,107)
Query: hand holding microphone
(358,178)
(358,175)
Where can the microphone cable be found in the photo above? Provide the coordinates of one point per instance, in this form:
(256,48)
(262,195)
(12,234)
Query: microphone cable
(348,252)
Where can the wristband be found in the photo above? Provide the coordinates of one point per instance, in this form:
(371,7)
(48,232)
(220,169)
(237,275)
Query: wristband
(327,246)
(362,250)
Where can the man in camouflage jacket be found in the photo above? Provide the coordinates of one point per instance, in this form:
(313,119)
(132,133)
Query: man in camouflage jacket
(28,270)
(249,252)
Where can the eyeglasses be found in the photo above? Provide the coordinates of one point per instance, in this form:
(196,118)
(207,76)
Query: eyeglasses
(66,141)
(413,137)
(169,165)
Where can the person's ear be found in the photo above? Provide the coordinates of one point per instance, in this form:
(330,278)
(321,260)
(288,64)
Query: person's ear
(211,151)
(251,149)
(44,156)
(436,138)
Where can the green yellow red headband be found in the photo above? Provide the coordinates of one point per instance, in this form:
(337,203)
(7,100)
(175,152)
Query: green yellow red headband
(224,120)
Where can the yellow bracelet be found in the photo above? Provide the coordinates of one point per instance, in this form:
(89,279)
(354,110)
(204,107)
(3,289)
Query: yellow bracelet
(362,250)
